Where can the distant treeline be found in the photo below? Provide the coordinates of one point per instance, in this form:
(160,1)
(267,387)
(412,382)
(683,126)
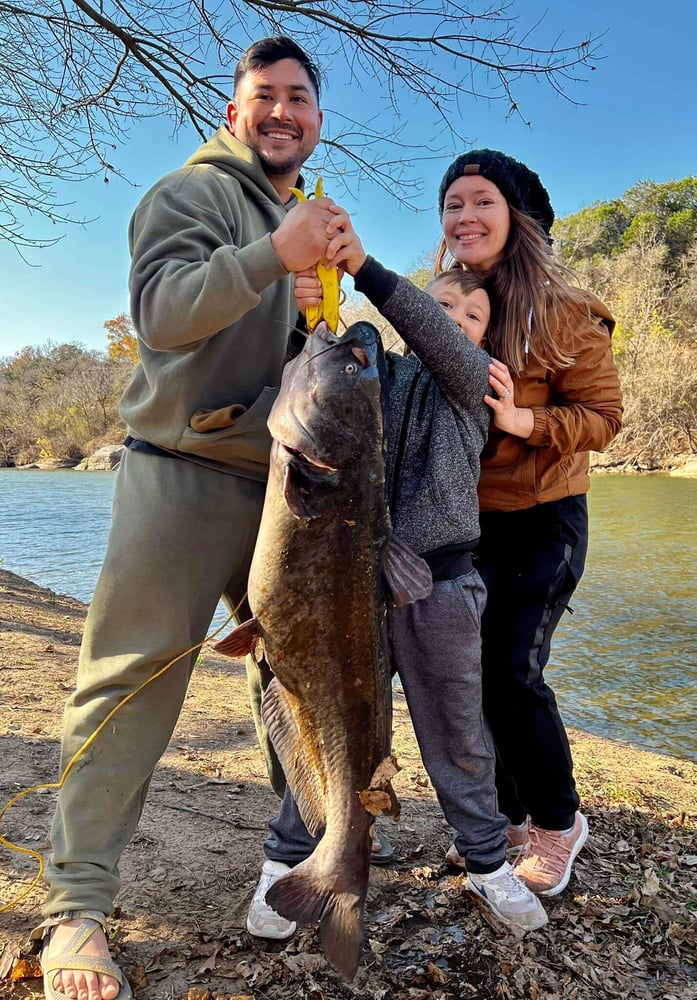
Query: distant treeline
(637,253)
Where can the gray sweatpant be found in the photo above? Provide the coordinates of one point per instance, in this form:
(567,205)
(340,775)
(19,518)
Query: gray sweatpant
(181,537)
(436,650)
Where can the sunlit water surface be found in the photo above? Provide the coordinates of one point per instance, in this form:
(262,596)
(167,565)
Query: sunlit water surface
(623,665)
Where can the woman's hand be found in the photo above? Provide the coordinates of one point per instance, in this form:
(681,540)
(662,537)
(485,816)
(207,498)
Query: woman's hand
(516,420)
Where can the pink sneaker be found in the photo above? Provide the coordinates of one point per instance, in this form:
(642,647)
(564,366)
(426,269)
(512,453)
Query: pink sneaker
(518,835)
(515,835)
(546,860)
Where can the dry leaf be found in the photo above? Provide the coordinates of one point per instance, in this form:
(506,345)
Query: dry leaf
(375,802)
(304,962)
(208,964)
(651,884)
(436,974)
(26,968)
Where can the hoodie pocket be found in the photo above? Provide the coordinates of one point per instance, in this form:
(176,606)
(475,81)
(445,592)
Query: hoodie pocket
(234,435)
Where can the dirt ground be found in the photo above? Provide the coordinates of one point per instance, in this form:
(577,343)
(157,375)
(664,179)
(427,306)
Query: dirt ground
(625,927)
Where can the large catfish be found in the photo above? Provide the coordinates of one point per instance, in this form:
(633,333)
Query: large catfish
(317,592)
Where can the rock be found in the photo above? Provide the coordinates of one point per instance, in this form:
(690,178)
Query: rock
(48,465)
(688,470)
(104,459)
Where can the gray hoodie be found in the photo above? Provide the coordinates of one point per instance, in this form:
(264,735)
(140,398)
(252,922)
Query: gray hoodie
(213,307)
(437,418)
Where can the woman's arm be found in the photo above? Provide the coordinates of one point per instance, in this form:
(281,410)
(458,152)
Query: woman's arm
(588,414)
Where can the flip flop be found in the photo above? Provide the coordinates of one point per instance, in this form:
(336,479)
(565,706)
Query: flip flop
(70,957)
(382,851)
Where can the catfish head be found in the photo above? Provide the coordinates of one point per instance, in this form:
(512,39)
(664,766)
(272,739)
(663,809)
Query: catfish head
(327,421)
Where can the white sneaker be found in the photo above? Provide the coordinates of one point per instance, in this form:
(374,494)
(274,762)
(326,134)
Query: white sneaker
(508,897)
(262,921)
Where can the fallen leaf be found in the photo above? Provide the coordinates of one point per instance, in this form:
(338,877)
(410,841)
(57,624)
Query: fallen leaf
(196,993)
(437,974)
(26,968)
(208,964)
(374,801)
(651,884)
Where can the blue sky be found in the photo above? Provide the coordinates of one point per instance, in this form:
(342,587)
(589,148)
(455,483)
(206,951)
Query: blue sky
(636,120)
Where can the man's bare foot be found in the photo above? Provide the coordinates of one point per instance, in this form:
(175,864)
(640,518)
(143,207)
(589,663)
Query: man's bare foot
(78,984)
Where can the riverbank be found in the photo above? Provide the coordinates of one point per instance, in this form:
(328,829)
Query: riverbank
(624,928)
(107,459)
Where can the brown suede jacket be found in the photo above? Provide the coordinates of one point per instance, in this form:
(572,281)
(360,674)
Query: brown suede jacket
(576,410)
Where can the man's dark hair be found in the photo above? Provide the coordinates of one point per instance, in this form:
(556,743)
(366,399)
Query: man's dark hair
(272,50)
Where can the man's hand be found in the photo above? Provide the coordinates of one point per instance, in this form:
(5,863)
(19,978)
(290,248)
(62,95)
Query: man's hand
(301,239)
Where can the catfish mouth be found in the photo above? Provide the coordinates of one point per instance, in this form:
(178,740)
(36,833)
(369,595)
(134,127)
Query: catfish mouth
(307,462)
(305,478)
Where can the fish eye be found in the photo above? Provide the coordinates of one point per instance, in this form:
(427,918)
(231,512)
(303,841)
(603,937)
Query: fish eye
(351,368)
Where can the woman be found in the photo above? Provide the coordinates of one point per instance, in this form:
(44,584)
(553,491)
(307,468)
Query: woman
(558,398)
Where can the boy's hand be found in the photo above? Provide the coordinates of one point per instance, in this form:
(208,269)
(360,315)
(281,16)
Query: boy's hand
(307,289)
(516,420)
(345,248)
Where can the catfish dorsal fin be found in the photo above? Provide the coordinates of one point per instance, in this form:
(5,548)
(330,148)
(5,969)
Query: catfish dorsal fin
(408,575)
(241,640)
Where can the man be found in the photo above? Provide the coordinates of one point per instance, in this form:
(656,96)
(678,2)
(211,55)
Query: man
(212,246)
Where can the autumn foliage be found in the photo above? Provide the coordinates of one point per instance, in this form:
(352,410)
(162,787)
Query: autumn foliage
(121,338)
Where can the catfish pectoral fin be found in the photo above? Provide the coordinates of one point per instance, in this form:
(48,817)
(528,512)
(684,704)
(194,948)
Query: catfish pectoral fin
(408,575)
(241,640)
(306,897)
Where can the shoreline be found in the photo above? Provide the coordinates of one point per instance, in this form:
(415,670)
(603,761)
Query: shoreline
(615,749)
(571,727)
(106,460)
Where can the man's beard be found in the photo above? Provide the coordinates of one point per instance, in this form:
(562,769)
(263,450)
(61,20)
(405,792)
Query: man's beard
(273,167)
(277,163)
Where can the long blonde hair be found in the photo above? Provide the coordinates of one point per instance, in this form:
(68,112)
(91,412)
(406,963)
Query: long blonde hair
(527,288)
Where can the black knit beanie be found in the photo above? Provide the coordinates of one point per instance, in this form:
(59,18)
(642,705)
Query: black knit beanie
(519,185)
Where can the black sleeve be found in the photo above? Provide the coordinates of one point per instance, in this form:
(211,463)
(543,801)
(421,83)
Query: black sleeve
(375,281)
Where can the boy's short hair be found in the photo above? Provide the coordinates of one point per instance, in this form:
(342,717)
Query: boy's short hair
(271,50)
(466,281)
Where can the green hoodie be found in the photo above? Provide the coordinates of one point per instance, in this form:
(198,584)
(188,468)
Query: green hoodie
(213,307)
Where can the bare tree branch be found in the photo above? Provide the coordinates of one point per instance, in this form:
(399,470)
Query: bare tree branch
(75,75)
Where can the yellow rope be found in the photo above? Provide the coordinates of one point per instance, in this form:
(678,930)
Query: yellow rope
(85,746)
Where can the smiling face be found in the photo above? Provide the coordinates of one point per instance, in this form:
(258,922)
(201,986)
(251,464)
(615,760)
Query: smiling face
(471,311)
(476,222)
(275,112)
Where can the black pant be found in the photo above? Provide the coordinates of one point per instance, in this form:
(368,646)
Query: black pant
(531,561)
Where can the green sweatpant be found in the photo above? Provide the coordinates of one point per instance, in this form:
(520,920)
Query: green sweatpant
(182,536)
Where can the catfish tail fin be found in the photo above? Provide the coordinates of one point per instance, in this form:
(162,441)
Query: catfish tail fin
(306,896)
(342,930)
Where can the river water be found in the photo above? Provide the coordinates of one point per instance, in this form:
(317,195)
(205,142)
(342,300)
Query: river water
(624,665)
